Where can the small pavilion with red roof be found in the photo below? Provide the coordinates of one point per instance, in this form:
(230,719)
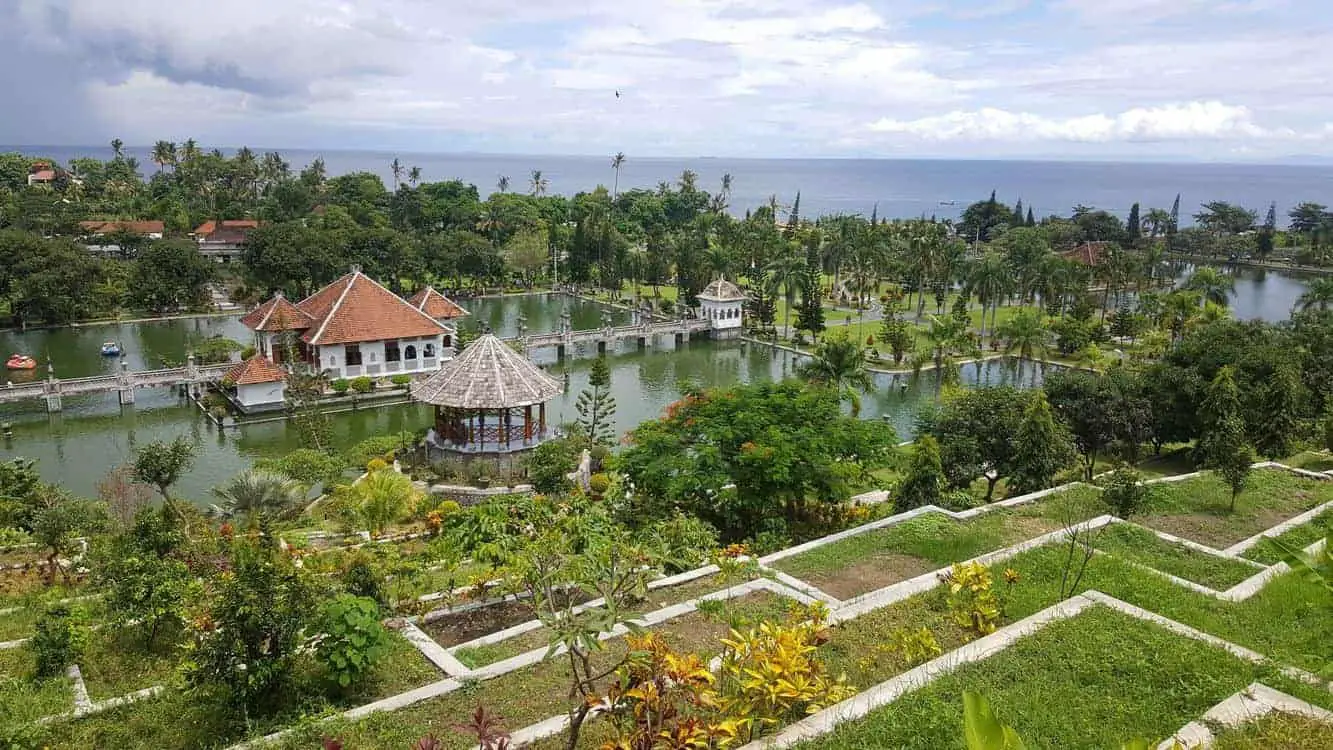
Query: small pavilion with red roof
(354,327)
(258,384)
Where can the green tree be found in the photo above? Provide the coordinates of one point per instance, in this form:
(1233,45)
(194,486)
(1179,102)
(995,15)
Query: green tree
(1221,217)
(58,522)
(898,335)
(171,274)
(161,465)
(1212,285)
(1267,234)
(925,481)
(596,406)
(1318,295)
(975,432)
(1222,442)
(1133,230)
(840,363)
(1042,448)
(1027,336)
(1086,404)
(143,571)
(256,622)
(785,275)
(810,315)
(526,252)
(767,456)
(380,499)
(1125,491)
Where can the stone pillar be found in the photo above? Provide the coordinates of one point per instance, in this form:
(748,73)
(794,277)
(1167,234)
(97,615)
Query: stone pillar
(52,389)
(126,385)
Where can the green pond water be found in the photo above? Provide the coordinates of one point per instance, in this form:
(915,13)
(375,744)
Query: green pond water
(93,434)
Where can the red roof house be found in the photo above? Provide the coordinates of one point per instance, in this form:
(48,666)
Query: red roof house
(258,383)
(1088,254)
(436,305)
(352,327)
(223,240)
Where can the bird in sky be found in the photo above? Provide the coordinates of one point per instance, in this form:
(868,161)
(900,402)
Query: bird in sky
(617,94)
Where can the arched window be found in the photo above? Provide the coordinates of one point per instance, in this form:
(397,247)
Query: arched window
(409,352)
(428,351)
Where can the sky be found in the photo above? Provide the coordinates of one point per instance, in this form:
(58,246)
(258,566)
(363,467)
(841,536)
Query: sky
(1216,80)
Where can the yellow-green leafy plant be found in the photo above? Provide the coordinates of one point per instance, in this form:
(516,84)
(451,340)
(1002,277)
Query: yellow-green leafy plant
(770,675)
(906,648)
(972,600)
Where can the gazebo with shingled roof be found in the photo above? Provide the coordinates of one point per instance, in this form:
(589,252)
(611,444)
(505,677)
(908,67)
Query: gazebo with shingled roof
(488,399)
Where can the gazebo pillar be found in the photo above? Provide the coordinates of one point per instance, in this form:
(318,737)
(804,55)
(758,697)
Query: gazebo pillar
(527,423)
(507,427)
(541,411)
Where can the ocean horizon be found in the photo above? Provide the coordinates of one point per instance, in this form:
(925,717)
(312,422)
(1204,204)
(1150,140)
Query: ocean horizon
(890,187)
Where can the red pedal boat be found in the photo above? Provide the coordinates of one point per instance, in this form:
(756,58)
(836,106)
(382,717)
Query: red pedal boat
(20,362)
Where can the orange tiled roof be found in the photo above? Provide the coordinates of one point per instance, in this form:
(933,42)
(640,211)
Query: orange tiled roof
(1089,253)
(133,227)
(436,305)
(43,175)
(257,369)
(211,226)
(278,314)
(355,308)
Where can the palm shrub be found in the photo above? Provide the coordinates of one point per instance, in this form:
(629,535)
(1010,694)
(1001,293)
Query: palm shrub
(257,493)
(382,498)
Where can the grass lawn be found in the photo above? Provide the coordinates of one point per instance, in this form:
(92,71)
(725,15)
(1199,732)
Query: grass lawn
(1277,731)
(1310,461)
(1093,681)
(186,719)
(1288,620)
(1198,508)
(1298,538)
(24,700)
(879,558)
(20,623)
(540,637)
(521,697)
(1146,548)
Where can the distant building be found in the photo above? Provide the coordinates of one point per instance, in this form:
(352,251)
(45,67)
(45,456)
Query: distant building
(1088,254)
(223,240)
(256,384)
(350,328)
(96,230)
(722,303)
(41,173)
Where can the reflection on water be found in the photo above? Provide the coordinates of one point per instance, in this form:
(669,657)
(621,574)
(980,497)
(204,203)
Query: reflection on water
(94,434)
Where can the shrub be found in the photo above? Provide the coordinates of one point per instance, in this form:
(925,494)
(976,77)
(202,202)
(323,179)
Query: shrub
(307,466)
(248,352)
(1125,492)
(363,384)
(253,624)
(376,464)
(549,463)
(351,639)
(10,537)
(381,499)
(376,447)
(599,483)
(400,380)
(340,386)
(685,541)
(58,641)
(972,600)
(364,578)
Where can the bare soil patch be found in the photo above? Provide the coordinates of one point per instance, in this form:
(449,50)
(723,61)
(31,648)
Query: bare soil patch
(883,569)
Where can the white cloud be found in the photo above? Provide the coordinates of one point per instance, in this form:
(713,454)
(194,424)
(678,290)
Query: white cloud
(739,77)
(1171,122)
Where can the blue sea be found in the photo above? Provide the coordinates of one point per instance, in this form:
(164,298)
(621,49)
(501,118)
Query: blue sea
(896,188)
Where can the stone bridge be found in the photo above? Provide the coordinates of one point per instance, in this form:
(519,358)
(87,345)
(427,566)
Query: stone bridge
(124,383)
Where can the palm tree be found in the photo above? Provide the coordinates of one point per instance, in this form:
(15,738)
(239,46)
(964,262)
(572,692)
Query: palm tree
(1211,284)
(1027,336)
(381,498)
(1318,296)
(1157,220)
(414,175)
(840,363)
(990,279)
(502,184)
(396,169)
(946,338)
(616,161)
(257,493)
(786,273)
(118,147)
(1180,309)
(164,153)
(539,183)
